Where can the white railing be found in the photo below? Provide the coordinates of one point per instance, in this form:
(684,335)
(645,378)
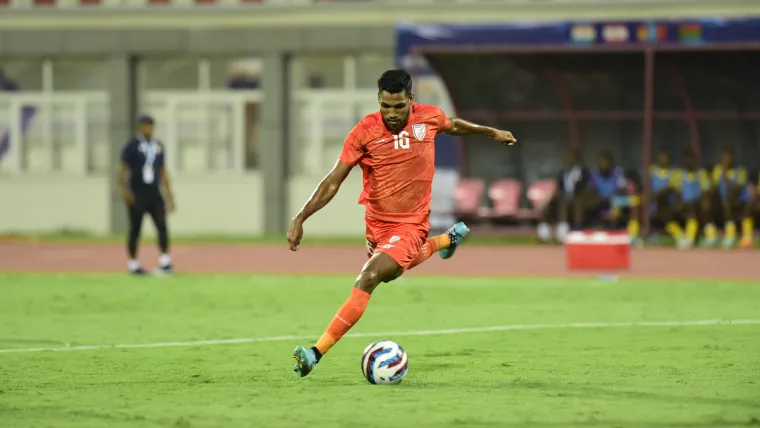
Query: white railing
(204,131)
(324,119)
(54,131)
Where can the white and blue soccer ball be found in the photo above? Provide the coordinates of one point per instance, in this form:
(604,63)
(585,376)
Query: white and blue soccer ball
(384,363)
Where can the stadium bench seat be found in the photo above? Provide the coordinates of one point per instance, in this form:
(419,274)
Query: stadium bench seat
(468,197)
(539,194)
(505,198)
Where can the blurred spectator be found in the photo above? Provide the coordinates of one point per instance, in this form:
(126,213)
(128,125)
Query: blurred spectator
(560,209)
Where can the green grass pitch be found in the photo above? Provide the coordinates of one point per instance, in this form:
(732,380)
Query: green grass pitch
(524,362)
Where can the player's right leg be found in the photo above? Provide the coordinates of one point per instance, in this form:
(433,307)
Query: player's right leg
(136,213)
(381,267)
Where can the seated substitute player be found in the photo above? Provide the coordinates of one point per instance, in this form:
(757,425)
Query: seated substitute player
(691,190)
(606,184)
(731,194)
(395,149)
(561,208)
(662,207)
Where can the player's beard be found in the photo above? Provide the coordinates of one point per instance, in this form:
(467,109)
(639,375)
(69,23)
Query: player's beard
(400,123)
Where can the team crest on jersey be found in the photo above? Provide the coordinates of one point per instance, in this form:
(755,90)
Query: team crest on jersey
(419,131)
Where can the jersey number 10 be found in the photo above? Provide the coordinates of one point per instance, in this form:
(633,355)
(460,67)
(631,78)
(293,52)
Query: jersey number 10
(401,141)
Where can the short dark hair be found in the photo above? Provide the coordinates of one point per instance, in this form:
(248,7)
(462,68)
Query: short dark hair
(394,82)
(606,155)
(145,119)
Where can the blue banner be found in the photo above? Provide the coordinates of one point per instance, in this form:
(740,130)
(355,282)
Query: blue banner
(637,33)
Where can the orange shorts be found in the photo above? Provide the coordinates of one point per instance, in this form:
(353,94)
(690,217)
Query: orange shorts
(401,241)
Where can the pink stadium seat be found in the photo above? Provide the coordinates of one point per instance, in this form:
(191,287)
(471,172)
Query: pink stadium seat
(468,196)
(505,197)
(540,192)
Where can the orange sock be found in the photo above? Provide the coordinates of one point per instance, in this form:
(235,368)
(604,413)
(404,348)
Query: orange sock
(430,247)
(347,316)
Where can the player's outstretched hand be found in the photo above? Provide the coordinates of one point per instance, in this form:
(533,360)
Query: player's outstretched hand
(295,232)
(504,137)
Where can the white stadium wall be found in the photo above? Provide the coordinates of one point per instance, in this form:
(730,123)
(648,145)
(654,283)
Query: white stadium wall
(207,205)
(342,216)
(45,203)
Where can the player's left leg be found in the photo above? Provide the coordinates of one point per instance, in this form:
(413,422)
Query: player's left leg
(456,236)
(445,244)
(157,212)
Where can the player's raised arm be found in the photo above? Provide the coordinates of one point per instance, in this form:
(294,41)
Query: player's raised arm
(463,127)
(325,191)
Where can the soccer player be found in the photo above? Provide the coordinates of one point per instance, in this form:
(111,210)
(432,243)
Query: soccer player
(395,149)
(732,194)
(607,183)
(141,174)
(661,176)
(565,206)
(691,188)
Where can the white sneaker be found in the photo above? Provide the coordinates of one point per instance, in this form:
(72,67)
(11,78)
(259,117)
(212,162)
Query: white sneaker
(684,244)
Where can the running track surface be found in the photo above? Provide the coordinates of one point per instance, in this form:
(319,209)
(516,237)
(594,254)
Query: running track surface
(469,261)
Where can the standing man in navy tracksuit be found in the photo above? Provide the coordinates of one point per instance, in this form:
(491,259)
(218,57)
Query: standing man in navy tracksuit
(141,174)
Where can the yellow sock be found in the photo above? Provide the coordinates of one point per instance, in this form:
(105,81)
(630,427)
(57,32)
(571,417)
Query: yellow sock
(747,227)
(711,231)
(731,229)
(692,227)
(633,228)
(674,229)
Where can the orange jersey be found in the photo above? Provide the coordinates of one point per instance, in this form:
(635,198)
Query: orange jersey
(397,166)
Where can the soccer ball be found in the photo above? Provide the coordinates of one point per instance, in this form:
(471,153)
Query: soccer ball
(384,363)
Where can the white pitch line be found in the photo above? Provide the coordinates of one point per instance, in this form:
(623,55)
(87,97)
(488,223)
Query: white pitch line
(400,333)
